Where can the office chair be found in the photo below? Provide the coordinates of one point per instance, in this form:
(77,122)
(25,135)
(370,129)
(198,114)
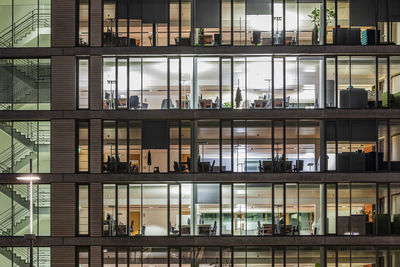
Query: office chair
(212,166)
(256,37)
(164,104)
(134,102)
(214,228)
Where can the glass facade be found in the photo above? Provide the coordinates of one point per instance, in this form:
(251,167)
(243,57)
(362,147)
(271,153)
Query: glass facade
(83,23)
(251,209)
(256,82)
(25,84)
(276,256)
(146,146)
(251,23)
(19,256)
(14,209)
(83,146)
(22,141)
(82,83)
(83,209)
(25,23)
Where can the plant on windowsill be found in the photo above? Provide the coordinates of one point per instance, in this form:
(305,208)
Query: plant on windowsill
(315,17)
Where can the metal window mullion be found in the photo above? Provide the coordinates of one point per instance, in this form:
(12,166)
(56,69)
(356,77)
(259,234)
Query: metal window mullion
(273,83)
(116,210)
(141,81)
(273,209)
(180,81)
(376,82)
(336,89)
(336,207)
(37,85)
(220,147)
(128,81)
(220,212)
(245,145)
(168,82)
(220,82)
(298,81)
(284,82)
(116,84)
(232,146)
(169,227)
(180,208)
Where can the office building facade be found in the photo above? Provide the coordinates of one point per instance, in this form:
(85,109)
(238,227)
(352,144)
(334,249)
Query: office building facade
(200,133)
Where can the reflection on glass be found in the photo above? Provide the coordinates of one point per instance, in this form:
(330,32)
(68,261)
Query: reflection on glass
(207,211)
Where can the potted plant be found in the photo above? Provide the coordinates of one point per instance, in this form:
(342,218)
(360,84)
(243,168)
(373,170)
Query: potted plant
(315,17)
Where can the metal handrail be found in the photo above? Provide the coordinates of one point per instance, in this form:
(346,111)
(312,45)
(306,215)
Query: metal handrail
(24,25)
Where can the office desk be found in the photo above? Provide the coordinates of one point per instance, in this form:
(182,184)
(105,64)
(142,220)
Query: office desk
(204,167)
(205,103)
(185,229)
(204,229)
(261,104)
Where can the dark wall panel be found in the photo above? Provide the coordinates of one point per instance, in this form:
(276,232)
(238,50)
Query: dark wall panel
(258,7)
(155,135)
(208,13)
(362,12)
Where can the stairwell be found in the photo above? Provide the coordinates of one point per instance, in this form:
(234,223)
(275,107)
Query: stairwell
(18,33)
(24,147)
(24,72)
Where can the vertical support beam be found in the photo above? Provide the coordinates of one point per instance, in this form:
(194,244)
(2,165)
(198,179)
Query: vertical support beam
(96,256)
(195,151)
(95,85)
(63,211)
(63,256)
(95,146)
(63,21)
(96,21)
(96,210)
(322,147)
(63,146)
(63,96)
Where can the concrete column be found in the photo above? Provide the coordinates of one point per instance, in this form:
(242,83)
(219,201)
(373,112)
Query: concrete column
(63,92)
(96,209)
(195,150)
(63,256)
(96,256)
(95,146)
(63,146)
(322,147)
(63,23)
(95,86)
(63,210)
(96,19)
